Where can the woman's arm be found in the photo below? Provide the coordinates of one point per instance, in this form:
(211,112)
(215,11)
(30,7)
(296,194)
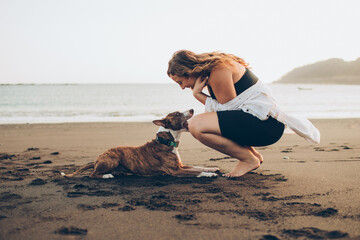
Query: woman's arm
(222,84)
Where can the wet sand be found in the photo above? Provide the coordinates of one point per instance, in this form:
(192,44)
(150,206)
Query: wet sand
(301,190)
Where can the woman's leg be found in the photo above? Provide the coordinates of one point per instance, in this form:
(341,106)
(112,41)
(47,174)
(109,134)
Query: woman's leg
(257,154)
(205,128)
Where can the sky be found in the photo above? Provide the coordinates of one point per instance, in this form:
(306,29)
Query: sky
(123,41)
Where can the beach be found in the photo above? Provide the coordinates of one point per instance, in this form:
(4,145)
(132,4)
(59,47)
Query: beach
(301,190)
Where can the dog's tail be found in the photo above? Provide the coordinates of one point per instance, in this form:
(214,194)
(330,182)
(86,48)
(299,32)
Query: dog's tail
(86,167)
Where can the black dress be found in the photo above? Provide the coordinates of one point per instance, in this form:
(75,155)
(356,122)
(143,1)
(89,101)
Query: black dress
(244,128)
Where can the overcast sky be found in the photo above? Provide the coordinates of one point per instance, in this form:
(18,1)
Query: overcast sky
(100,41)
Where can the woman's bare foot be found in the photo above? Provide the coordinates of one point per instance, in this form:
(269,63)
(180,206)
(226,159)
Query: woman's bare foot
(257,154)
(244,166)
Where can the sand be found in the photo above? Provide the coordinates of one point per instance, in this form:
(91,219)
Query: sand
(301,190)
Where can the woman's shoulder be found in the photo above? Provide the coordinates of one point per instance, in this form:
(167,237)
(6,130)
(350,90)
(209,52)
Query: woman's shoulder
(220,72)
(231,65)
(221,78)
(233,70)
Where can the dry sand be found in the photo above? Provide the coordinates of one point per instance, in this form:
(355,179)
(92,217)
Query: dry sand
(301,190)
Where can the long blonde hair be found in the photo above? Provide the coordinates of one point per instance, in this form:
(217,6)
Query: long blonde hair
(186,63)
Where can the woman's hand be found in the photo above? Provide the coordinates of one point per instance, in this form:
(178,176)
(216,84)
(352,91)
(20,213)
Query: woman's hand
(200,83)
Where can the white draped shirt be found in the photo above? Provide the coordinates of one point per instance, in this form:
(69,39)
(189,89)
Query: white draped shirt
(258,101)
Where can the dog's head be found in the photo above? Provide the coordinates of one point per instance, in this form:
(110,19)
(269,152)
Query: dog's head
(176,120)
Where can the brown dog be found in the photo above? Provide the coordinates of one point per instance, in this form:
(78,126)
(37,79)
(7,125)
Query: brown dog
(158,157)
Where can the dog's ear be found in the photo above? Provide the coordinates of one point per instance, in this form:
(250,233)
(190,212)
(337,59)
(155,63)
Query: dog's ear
(159,123)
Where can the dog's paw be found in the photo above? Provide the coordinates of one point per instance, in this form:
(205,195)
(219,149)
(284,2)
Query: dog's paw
(207,174)
(106,176)
(214,169)
(205,169)
(62,174)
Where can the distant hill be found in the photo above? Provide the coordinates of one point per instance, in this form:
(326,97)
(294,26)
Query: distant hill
(331,71)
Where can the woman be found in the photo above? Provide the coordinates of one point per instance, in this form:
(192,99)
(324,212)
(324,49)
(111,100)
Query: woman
(240,113)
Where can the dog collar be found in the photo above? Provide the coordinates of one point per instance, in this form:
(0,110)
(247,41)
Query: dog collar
(167,142)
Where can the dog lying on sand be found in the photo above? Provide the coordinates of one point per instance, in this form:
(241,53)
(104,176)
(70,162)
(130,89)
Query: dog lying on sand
(158,157)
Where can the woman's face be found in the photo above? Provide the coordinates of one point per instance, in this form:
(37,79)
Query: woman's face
(184,82)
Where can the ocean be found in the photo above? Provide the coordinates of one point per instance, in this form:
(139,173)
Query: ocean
(146,102)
